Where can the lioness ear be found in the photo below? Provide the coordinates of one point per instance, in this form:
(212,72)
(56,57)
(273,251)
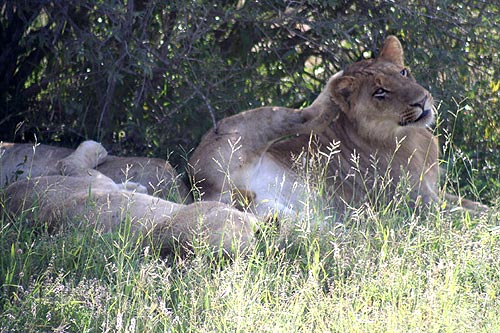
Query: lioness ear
(341,89)
(392,51)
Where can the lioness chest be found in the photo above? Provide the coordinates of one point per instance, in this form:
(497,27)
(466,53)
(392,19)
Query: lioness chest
(274,186)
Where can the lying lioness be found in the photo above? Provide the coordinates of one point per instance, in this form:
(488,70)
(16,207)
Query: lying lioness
(88,195)
(19,161)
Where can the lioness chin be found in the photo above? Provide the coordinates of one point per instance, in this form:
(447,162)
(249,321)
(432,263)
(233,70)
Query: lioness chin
(374,113)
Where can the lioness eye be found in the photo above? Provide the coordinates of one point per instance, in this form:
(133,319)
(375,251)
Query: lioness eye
(404,72)
(380,93)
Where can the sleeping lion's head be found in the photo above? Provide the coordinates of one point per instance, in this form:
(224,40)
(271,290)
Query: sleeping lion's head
(381,94)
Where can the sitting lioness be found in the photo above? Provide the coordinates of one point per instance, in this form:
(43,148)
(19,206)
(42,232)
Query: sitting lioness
(85,194)
(372,121)
(157,176)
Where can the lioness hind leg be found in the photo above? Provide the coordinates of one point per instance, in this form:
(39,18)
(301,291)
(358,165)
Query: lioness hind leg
(470,205)
(222,228)
(88,155)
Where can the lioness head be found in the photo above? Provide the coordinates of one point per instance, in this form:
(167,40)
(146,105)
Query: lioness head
(381,94)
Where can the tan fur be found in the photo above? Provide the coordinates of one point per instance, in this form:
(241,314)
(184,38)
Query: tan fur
(96,200)
(88,155)
(225,159)
(19,161)
(381,129)
(86,194)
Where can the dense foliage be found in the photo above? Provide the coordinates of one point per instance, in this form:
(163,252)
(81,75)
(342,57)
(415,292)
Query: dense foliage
(150,77)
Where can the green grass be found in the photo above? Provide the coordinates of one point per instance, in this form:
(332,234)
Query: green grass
(379,272)
(385,270)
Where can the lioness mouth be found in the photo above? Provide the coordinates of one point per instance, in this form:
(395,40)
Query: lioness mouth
(424,114)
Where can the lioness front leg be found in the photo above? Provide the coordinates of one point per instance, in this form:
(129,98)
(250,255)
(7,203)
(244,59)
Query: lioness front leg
(261,127)
(228,159)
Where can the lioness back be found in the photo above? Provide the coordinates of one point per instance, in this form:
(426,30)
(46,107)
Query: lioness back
(19,161)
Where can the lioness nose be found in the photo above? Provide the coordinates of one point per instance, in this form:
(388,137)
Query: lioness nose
(421,103)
